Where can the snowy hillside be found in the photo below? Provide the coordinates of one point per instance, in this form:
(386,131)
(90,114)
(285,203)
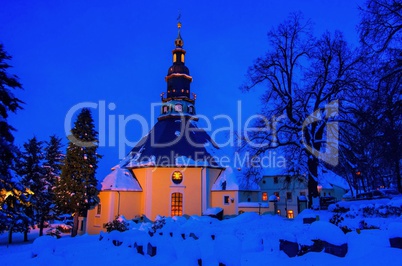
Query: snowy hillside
(248,239)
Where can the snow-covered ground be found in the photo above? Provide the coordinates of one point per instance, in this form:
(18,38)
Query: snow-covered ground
(248,239)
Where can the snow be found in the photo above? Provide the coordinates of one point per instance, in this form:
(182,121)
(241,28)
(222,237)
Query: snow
(120,179)
(248,239)
(212,211)
(327,179)
(233,178)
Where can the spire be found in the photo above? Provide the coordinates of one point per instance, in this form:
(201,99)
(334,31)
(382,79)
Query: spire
(178,101)
(179,41)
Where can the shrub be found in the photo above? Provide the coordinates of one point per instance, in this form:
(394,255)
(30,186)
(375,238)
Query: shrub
(117,224)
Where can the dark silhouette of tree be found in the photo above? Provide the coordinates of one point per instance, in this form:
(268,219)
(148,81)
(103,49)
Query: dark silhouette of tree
(76,191)
(305,81)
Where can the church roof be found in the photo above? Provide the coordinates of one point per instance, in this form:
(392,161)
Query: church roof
(173,142)
(120,180)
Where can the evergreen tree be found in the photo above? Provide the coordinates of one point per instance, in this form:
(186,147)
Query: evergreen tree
(12,194)
(76,190)
(52,167)
(29,168)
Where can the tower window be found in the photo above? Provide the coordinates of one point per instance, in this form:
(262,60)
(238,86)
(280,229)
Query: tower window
(174,58)
(191,109)
(99,209)
(182,58)
(178,108)
(165,109)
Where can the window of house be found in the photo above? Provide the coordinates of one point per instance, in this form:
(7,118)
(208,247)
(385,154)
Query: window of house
(278,212)
(302,193)
(226,200)
(99,209)
(290,214)
(288,179)
(177,204)
(275,180)
(277,195)
(264,196)
(289,196)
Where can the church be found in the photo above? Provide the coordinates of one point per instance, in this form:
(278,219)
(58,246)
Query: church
(171,171)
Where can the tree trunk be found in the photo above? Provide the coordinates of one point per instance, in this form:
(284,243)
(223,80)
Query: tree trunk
(312,184)
(41,225)
(74,230)
(26,235)
(10,235)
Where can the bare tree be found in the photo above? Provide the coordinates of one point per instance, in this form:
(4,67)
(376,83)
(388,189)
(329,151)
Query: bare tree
(305,81)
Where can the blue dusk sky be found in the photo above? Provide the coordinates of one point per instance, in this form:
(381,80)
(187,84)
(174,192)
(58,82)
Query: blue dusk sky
(114,55)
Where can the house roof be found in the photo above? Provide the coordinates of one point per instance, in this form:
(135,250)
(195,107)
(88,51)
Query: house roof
(171,142)
(120,179)
(230,179)
(327,179)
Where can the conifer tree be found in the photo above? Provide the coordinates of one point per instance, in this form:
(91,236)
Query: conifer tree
(52,167)
(12,194)
(29,168)
(76,190)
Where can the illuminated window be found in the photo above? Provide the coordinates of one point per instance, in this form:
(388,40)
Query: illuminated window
(182,58)
(277,195)
(278,212)
(177,177)
(165,109)
(290,214)
(264,196)
(174,58)
(226,200)
(177,204)
(99,209)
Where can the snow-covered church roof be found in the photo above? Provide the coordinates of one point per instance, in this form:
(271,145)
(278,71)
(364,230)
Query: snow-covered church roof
(120,179)
(231,179)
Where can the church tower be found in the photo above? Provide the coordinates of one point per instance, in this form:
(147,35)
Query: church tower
(178,101)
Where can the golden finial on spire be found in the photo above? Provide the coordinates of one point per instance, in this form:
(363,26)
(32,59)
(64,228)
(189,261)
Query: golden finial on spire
(179,41)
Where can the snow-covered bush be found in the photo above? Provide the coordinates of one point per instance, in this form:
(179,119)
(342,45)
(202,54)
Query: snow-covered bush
(159,223)
(118,224)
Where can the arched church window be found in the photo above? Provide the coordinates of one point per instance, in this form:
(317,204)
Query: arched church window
(177,204)
(177,177)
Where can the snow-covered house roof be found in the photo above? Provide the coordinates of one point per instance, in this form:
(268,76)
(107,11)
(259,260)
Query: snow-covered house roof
(327,179)
(231,179)
(120,179)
